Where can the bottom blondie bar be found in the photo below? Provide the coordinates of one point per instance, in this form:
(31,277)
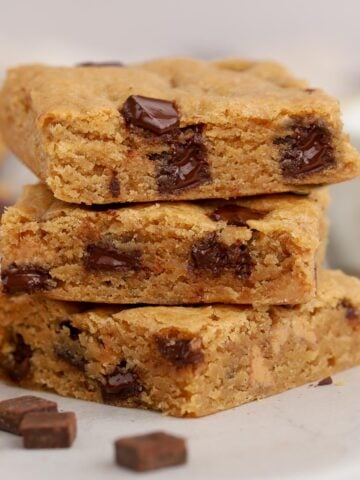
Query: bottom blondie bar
(183,361)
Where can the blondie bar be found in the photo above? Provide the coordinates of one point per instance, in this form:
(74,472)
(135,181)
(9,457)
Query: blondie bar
(257,250)
(183,361)
(173,129)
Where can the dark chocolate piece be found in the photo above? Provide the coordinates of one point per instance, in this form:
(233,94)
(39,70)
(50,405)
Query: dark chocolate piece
(150,451)
(180,351)
(101,64)
(325,381)
(213,256)
(306,150)
(26,279)
(16,364)
(114,186)
(236,215)
(108,259)
(154,114)
(351,312)
(48,430)
(121,384)
(184,165)
(13,411)
(68,347)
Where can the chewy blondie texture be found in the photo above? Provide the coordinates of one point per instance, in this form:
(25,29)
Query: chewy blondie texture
(173,129)
(183,361)
(260,250)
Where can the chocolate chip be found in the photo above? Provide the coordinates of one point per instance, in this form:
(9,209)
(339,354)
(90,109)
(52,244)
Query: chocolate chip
(121,384)
(48,430)
(151,451)
(325,381)
(108,259)
(184,165)
(26,279)
(306,150)
(351,312)
(71,354)
(156,115)
(236,215)
(180,351)
(213,256)
(114,186)
(17,363)
(100,64)
(13,411)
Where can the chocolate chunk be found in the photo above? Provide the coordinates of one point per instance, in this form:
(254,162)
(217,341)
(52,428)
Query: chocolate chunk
(180,351)
(236,215)
(121,384)
(108,259)
(184,165)
(16,363)
(100,64)
(48,430)
(114,186)
(13,411)
(154,114)
(325,381)
(151,451)
(26,279)
(213,256)
(306,150)
(351,312)
(68,348)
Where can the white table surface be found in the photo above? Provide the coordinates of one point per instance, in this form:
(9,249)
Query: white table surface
(307,433)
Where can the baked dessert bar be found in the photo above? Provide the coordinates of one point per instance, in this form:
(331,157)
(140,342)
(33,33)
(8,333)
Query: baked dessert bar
(258,250)
(183,361)
(173,129)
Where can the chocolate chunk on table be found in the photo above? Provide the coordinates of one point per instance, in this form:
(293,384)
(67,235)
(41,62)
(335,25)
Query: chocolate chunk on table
(48,430)
(14,410)
(150,451)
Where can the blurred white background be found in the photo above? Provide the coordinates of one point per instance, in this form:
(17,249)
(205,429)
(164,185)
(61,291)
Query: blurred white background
(318,40)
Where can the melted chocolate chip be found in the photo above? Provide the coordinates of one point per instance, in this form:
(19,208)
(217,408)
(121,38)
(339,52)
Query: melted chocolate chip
(351,312)
(236,215)
(109,259)
(179,351)
(213,256)
(26,279)
(325,381)
(307,150)
(17,364)
(100,64)
(158,116)
(184,165)
(71,354)
(114,187)
(121,384)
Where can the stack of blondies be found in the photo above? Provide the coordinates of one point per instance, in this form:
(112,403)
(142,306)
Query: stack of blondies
(171,257)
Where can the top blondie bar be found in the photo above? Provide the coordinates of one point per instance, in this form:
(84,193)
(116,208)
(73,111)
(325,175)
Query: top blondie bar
(173,129)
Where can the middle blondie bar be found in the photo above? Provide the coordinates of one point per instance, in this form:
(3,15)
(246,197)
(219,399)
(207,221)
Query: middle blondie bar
(255,250)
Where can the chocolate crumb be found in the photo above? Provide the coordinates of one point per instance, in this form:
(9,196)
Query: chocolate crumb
(325,381)
(351,312)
